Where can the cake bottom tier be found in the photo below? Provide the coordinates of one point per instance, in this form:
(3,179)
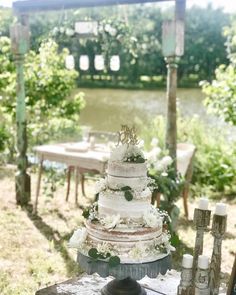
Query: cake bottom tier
(137,245)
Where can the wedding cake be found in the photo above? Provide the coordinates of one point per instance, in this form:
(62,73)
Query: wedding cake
(123,226)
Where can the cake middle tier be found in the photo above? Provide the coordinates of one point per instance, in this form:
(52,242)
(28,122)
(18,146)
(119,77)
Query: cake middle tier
(135,183)
(114,203)
(126,169)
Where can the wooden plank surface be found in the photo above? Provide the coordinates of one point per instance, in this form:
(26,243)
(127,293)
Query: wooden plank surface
(41,5)
(92,284)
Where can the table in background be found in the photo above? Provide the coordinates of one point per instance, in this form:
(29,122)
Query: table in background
(73,155)
(95,159)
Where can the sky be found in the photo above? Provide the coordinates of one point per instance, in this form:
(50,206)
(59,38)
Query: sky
(228,5)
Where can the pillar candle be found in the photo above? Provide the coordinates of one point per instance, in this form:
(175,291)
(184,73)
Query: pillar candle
(187,261)
(203,204)
(203,262)
(220,209)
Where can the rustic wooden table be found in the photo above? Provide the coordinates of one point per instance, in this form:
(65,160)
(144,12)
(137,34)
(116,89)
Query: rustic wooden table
(92,284)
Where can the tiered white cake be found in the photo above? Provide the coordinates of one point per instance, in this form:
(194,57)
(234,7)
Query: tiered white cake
(123,223)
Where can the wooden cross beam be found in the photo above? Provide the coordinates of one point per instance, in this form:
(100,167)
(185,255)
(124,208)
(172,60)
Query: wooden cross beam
(25,6)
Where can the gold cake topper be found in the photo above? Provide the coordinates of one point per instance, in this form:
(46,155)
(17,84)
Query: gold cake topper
(127,135)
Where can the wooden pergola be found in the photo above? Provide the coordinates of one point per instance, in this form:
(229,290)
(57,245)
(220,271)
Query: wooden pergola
(173,36)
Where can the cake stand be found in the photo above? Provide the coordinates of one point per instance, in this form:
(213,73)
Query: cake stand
(125,274)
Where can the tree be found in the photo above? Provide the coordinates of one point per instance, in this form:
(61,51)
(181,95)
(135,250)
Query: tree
(204,42)
(49,85)
(221,92)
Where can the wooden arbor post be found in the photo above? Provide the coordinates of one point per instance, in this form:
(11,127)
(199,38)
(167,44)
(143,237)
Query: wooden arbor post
(173,47)
(20,46)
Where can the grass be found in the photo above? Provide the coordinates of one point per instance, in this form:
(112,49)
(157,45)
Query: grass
(33,248)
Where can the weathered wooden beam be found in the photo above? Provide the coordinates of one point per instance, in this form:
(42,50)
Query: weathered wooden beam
(218,231)
(180,8)
(172,48)
(41,5)
(20,46)
(201,220)
(171,129)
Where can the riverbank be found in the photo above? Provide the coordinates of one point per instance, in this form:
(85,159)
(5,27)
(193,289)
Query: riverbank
(145,83)
(34,250)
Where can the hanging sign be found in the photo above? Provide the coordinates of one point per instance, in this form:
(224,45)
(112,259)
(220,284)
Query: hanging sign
(84,62)
(115,63)
(70,62)
(99,62)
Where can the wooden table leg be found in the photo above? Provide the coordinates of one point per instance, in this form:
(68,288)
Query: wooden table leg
(38,185)
(82,184)
(68,183)
(76,184)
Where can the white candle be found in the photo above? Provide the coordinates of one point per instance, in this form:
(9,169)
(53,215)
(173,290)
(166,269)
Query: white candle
(203,262)
(203,204)
(220,209)
(187,261)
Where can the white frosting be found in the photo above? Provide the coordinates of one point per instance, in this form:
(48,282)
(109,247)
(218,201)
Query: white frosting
(112,203)
(126,169)
(116,182)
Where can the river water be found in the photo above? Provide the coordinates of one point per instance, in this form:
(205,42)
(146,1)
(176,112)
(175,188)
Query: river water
(107,109)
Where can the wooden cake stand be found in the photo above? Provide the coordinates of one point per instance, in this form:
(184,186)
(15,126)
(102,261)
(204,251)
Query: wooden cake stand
(125,274)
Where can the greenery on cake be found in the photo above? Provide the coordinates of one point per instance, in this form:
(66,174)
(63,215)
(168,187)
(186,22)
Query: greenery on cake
(91,212)
(127,193)
(112,260)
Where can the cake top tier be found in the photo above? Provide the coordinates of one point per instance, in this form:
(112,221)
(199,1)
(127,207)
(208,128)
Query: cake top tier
(127,149)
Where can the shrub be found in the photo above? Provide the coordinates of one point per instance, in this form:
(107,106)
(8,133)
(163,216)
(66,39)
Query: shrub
(215,160)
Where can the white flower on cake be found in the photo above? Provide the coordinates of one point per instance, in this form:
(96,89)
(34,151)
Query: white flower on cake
(145,193)
(152,218)
(165,239)
(138,252)
(78,238)
(100,185)
(110,221)
(118,153)
(105,248)
(123,152)
(93,213)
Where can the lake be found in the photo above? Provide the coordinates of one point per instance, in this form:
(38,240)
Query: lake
(107,109)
